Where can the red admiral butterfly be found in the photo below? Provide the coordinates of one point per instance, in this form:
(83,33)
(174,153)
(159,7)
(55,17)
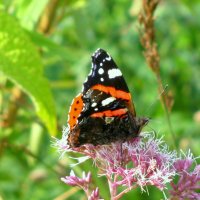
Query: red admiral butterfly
(103,112)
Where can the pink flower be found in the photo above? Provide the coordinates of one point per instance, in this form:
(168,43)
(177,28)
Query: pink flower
(73,180)
(139,162)
(189,180)
(94,195)
(83,183)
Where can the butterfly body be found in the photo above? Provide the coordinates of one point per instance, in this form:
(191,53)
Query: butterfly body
(103,112)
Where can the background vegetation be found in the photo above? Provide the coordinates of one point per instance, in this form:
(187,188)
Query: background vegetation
(45,49)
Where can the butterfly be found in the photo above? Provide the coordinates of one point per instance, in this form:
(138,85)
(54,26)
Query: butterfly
(103,112)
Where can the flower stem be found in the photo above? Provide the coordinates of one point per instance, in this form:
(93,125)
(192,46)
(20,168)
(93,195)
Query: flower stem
(112,187)
(124,192)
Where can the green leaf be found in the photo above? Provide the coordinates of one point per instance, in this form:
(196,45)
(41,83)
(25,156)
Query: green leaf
(29,12)
(21,63)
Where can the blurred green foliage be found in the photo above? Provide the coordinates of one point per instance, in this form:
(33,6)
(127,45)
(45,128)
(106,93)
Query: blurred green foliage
(41,57)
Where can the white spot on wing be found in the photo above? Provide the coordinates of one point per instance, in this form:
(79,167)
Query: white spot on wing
(101,64)
(96,109)
(108,58)
(90,73)
(100,71)
(82,88)
(112,73)
(105,102)
(96,51)
(91,70)
(94,104)
(102,79)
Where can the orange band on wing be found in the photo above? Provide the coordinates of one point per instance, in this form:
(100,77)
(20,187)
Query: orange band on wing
(110,113)
(113,92)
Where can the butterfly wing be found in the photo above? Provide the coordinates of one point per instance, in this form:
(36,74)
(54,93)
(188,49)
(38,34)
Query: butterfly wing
(103,112)
(104,72)
(108,82)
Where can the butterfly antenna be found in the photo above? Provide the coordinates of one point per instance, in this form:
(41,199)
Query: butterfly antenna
(158,97)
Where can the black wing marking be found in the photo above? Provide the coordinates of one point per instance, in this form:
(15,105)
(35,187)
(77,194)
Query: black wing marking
(104,71)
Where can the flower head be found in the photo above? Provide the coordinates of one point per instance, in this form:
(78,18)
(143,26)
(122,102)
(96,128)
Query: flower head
(73,180)
(189,179)
(139,162)
(84,183)
(94,195)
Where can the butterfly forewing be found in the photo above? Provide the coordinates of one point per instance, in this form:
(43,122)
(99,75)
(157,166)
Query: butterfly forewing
(104,72)
(107,79)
